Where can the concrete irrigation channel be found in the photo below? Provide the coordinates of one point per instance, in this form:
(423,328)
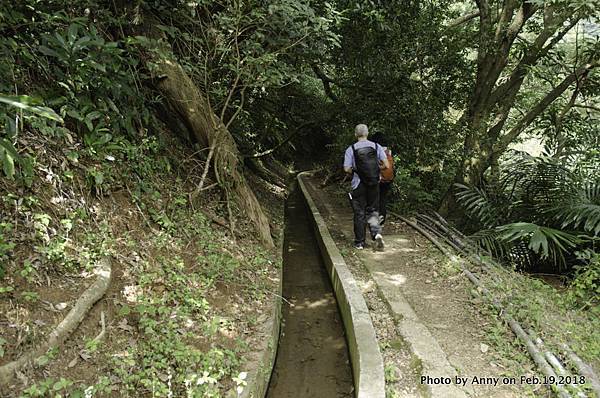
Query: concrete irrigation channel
(327,347)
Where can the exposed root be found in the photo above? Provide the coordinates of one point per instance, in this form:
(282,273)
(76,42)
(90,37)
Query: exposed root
(103,330)
(194,108)
(64,329)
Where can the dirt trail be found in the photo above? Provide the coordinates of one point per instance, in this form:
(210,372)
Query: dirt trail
(312,359)
(439,298)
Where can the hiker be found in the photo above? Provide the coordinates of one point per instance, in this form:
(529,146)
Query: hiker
(362,159)
(387,176)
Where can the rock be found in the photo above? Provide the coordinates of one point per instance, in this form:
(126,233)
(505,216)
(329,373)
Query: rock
(484,347)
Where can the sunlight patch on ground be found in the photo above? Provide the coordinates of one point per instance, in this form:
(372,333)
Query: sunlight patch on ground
(312,304)
(394,279)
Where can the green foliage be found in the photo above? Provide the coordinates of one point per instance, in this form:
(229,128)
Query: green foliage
(409,193)
(47,357)
(94,78)
(30,296)
(583,210)
(584,290)
(6,246)
(558,316)
(27,103)
(166,360)
(524,212)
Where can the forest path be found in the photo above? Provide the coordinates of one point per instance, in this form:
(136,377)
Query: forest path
(429,299)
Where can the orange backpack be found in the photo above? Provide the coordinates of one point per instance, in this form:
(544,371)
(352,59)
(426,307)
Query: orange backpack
(387,175)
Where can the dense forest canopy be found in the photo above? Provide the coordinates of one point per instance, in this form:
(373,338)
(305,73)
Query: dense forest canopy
(452,87)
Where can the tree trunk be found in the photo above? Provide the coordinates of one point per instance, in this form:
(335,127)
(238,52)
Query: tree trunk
(194,108)
(491,102)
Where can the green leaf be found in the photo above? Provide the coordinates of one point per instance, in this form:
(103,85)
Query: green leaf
(42,361)
(24,102)
(8,164)
(8,155)
(72,33)
(81,43)
(539,239)
(98,178)
(47,51)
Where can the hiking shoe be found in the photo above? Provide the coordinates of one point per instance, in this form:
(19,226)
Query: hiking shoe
(359,246)
(379,245)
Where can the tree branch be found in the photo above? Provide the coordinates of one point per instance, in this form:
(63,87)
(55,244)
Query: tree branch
(506,16)
(326,82)
(543,104)
(590,107)
(287,139)
(463,18)
(534,53)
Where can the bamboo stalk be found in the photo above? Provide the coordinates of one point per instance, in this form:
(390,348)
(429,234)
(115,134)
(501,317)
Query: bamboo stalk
(555,362)
(583,368)
(469,254)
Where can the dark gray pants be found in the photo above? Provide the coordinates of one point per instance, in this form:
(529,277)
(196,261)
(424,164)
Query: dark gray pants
(384,190)
(365,203)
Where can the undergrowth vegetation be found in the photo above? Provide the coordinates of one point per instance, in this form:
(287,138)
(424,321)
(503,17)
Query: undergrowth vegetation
(177,327)
(556,317)
(542,213)
(103,154)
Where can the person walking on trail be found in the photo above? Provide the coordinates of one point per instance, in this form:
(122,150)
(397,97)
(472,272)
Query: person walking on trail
(362,159)
(387,177)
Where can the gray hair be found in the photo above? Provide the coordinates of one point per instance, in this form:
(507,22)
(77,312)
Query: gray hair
(361,130)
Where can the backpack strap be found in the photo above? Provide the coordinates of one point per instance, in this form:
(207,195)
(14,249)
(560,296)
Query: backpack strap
(354,156)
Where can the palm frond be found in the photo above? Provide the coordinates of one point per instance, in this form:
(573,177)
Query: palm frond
(488,239)
(585,212)
(548,243)
(478,205)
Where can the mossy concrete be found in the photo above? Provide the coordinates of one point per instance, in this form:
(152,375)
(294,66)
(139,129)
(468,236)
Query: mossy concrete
(365,356)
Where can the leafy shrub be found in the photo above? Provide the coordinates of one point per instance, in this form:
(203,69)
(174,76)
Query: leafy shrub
(584,290)
(523,215)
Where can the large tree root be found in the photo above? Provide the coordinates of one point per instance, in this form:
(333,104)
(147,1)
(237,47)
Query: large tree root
(195,110)
(64,329)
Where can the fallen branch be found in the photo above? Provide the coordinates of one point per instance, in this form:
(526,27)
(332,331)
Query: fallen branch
(206,168)
(64,329)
